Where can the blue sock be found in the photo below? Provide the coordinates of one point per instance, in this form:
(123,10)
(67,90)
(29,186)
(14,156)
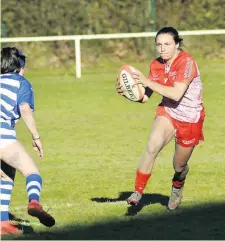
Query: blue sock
(6,191)
(34,184)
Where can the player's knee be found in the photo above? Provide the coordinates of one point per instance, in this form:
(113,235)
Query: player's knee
(28,171)
(152,149)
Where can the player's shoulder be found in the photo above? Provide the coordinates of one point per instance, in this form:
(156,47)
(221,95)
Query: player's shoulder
(14,79)
(24,80)
(24,83)
(183,60)
(14,76)
(183,56)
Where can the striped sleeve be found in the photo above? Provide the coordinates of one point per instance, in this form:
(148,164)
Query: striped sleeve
(25,94)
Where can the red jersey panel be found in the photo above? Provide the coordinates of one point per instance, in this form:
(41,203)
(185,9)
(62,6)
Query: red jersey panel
(183,69)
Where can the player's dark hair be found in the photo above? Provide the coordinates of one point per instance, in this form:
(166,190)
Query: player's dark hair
(12,60)
(173,32)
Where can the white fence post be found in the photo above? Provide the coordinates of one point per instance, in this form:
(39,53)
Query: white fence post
(78,57)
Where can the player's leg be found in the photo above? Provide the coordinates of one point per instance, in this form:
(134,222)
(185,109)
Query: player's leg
(188,136)
(16,156)
(6,186)
(180,160)
(161,134)
(8,174)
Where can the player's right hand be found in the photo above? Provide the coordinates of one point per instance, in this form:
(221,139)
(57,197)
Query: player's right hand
(37,146)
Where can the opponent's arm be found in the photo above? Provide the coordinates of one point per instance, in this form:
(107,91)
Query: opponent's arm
(28,117)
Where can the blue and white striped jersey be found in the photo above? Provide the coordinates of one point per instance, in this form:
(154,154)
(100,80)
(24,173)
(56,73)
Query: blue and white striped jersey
(14,90)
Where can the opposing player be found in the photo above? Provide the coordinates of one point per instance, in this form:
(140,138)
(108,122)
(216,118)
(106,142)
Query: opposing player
(17,101)
(175,76)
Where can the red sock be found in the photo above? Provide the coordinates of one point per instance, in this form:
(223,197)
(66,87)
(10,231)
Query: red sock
(178,184)
(141,181)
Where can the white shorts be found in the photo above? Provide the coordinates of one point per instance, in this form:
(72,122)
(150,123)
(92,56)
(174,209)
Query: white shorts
(5,142)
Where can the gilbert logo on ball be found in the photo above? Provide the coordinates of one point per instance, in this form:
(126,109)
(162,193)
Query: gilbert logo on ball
(133,90)
(128,86)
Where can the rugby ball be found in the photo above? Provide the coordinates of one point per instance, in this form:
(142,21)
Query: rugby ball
(133,90)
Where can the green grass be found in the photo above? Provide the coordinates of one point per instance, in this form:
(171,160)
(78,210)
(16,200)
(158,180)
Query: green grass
(93,139)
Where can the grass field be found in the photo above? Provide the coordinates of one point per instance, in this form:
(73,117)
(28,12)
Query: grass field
(93,139)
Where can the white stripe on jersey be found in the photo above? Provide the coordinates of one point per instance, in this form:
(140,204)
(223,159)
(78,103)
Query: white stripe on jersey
(2,114)
(8,93)
(4,131)
(8,107)
(7,74)
(5,121)
(14,83)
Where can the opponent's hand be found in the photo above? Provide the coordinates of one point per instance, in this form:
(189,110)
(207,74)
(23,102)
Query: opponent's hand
(37,146)
(119,87)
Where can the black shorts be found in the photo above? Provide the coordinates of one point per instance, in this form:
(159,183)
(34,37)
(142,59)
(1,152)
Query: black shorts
(8,170)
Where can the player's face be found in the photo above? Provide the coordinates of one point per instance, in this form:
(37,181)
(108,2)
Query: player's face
(166,46)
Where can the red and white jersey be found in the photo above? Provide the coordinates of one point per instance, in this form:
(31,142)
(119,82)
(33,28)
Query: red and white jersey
(183,69)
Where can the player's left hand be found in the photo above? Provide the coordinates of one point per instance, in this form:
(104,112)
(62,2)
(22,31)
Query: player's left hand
(140,78)
(119,88)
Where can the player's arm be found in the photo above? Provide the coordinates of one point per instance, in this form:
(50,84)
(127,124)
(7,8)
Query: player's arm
(28,118)
(25,103)
(185,74)
(147,95)
(26,107)
(175,92)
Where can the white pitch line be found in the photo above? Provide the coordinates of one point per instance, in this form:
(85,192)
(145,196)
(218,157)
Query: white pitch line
(46,207)
(95,203)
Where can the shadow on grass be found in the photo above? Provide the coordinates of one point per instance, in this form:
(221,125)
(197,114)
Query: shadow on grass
(146,200)
(21,224)
(205,221)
